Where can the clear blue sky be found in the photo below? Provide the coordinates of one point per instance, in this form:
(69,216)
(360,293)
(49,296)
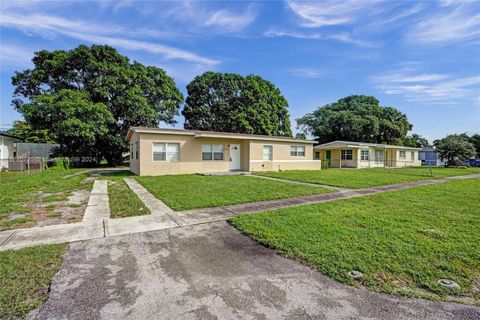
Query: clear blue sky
(422,57)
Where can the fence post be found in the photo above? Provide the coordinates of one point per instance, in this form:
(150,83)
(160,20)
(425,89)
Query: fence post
(430,169)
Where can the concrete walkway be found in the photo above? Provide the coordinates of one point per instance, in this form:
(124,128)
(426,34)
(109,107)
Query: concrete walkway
(96,225)
(156,206)
(98,207)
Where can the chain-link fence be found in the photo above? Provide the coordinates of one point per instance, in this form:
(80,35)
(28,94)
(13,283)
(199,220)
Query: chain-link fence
(24,164)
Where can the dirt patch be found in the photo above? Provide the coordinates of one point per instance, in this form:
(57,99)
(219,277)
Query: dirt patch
(50,209)
(78,197)
(68,211)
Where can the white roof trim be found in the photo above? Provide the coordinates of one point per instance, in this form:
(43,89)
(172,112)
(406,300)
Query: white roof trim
(162,131)
(246,137)
(200,134)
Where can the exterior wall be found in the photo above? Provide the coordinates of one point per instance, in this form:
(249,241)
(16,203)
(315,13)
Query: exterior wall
(134,163)
(190,157)
(370,163)
(429,157)
(6,151)
(336,155)
(407,161)
(281,158)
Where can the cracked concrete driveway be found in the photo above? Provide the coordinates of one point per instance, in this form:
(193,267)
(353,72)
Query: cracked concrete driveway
(211,271)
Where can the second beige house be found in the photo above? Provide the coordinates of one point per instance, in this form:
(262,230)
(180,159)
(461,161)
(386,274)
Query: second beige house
(350,154)
(156,151)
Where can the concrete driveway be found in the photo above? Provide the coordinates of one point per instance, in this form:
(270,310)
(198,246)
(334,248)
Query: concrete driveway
(211,271)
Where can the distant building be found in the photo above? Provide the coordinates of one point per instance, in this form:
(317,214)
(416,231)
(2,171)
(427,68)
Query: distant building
(7,142)
(352,154)
(429,156)
(16,155)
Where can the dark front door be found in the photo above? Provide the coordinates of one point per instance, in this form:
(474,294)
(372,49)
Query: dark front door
(329,157)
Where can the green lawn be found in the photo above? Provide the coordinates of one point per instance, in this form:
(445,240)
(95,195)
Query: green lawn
(403,241)
(123,201)
(17,190)
(183,192)
(361,178)
(25,276)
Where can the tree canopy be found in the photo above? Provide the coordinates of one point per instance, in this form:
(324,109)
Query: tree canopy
(75,122)
(229,102)
(110,92)
(454,149)
(475,140)
(416,141)
(356,118)
(23,130)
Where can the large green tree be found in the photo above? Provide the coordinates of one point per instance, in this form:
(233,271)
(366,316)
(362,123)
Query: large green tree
(475,140)
(23,130)
(74,121)
(356,118)
(454,149)
(416,141)
(232,103)
(132,94)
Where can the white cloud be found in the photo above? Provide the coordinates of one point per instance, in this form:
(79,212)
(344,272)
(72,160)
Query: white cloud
(306,72)
(340,36)
(50,26)
(198,16)
(292,34)
(433,88)
(348,38)
(331,12)
(167,51)
(401,77)
(231,21)
(458,21)
(393,21)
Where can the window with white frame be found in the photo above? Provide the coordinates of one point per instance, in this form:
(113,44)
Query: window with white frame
(403,154)
(212,151)
(297,151)
(364,155)
(163,151)
(412,155)
(347,154)
(267,152)
(137,150)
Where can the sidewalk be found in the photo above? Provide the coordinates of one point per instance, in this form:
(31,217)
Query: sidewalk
(97,222)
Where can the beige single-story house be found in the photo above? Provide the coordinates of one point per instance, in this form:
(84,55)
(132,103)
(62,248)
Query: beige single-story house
(348,154)
(157,151)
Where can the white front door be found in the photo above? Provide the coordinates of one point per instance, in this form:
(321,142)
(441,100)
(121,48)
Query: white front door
(234,157)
